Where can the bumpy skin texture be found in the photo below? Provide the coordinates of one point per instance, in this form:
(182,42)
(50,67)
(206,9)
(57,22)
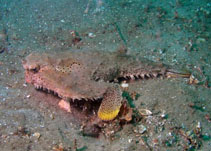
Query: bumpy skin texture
(88,75)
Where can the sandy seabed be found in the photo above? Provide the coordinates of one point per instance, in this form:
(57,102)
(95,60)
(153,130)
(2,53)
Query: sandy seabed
(174,32)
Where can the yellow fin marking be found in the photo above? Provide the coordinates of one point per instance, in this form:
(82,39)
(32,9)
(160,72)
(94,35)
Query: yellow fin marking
(107,116)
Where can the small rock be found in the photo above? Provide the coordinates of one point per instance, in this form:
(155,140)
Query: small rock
(91,35)
(37,135)
(65,105)
(59,147)
(124,84)
(193,80)
(2,49)
(52,116)
(28,96)
(200,40)
(145,112)
(141,129)
(164,115)
(130,140)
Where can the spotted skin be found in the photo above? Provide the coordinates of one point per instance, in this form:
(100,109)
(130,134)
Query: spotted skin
(88,75)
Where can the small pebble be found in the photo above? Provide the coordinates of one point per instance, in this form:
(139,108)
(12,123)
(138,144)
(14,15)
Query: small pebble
(200,40)
(91,35)
(37,135)
(130,140)
(52,116)
(141,129)
(124,85)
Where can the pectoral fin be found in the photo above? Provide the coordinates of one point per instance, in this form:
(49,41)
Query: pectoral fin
(111,103)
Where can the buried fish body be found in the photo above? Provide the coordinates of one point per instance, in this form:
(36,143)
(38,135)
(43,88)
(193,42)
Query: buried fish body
(89,75)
